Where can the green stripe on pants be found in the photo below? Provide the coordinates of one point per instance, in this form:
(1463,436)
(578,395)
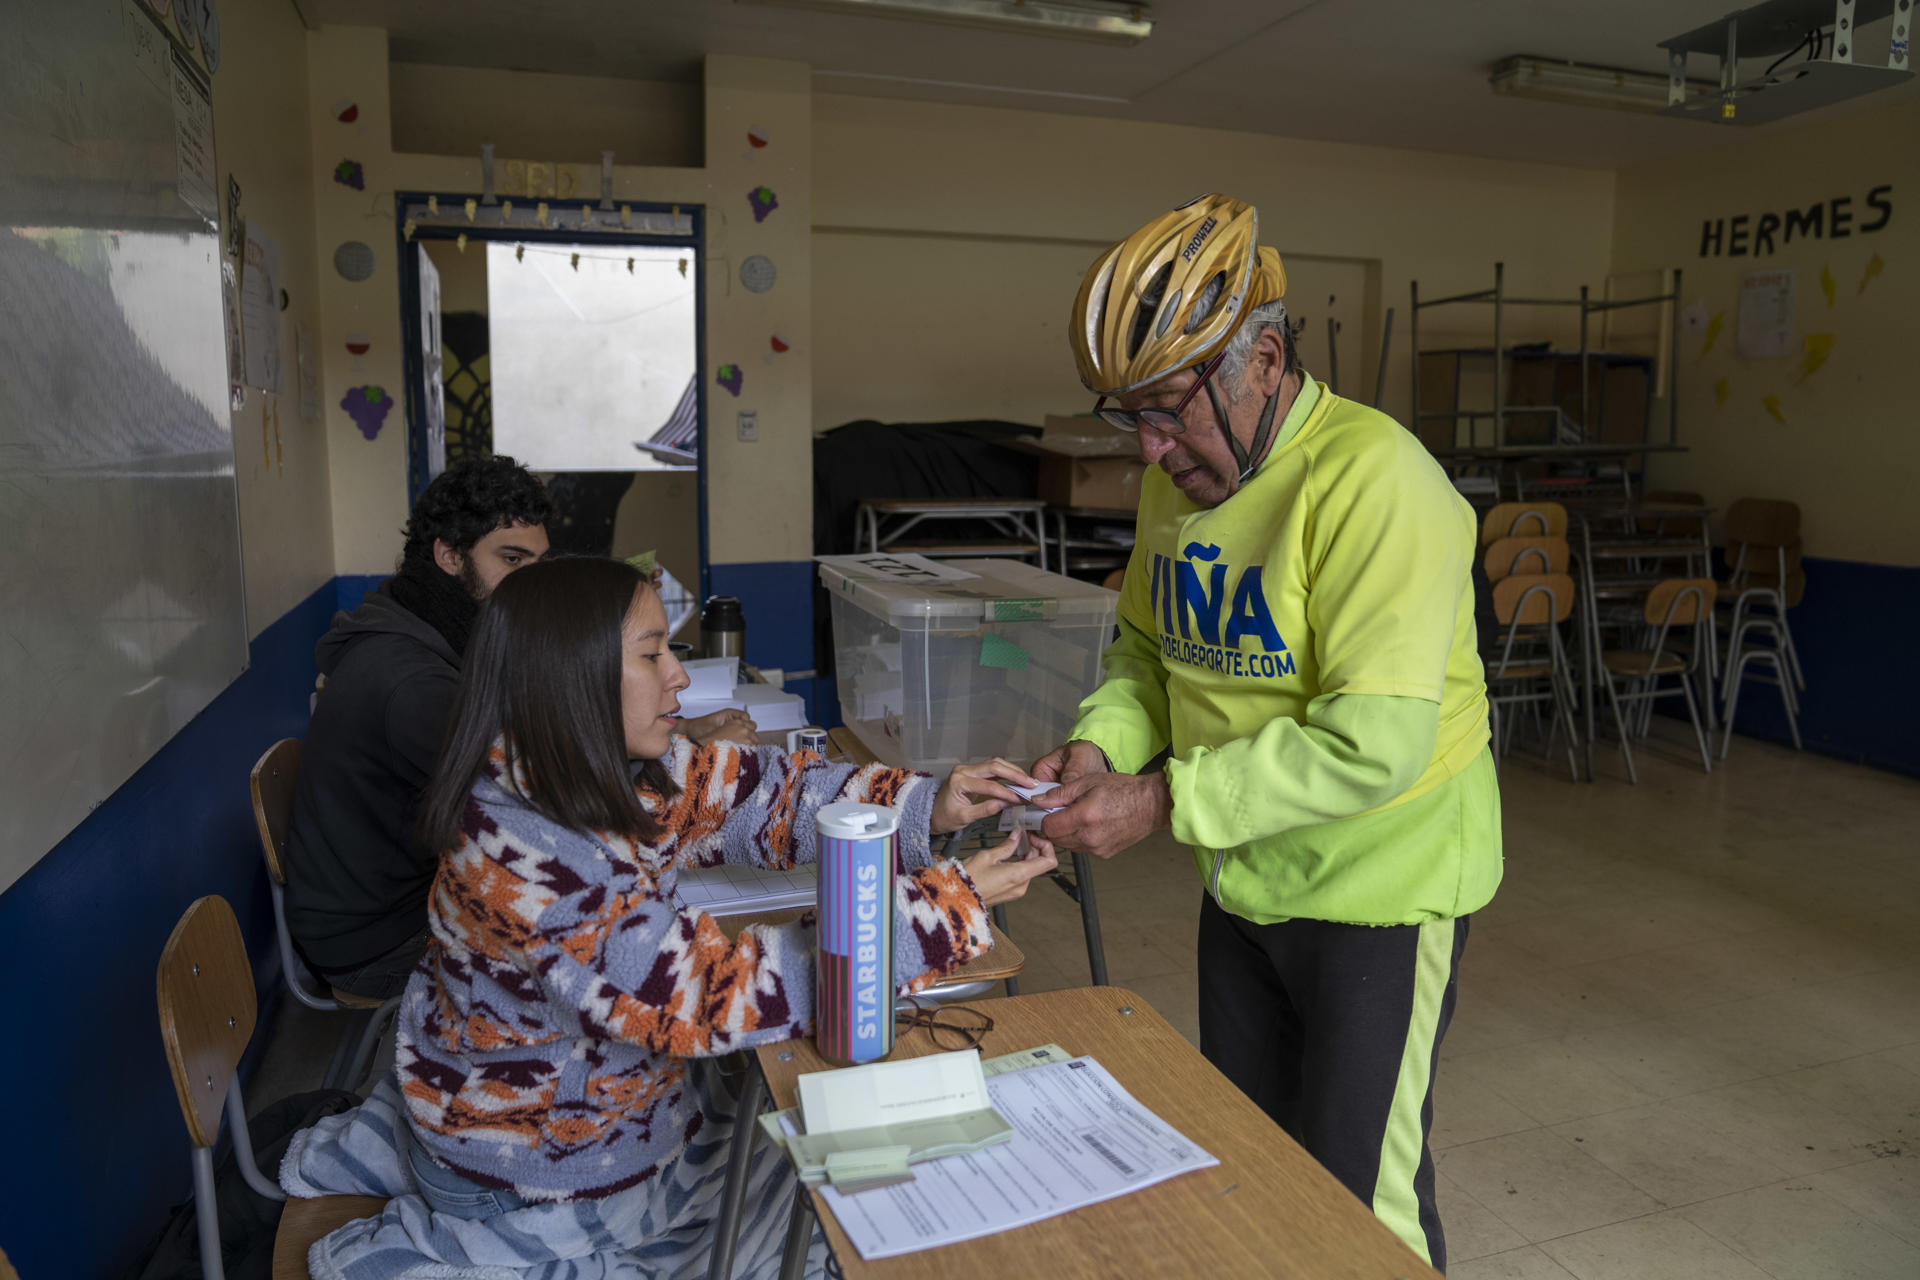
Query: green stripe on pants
(1394,1199)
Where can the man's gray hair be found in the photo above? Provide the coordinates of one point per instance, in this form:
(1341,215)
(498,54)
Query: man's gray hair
(1233,369)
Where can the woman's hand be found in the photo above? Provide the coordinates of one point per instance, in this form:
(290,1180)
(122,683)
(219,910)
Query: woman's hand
(998,878)
(970,792)
(730,725)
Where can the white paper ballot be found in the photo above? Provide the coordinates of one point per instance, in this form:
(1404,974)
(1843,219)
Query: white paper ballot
(1029,816)
(898,1092)
(1034,792)
(1079,1138)
(710,679)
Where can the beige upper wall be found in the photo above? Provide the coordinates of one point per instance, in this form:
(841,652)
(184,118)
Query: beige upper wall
(451,111)
(260,137)
(1850,440)
(914,202)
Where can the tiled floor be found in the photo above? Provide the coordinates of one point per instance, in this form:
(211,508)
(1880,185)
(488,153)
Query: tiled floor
(1688,1037)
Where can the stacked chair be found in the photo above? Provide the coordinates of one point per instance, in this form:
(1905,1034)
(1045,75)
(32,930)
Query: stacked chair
(1676,602)
(1765,579)
(1532,597)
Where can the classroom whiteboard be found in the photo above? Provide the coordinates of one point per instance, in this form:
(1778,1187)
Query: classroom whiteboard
(121,604)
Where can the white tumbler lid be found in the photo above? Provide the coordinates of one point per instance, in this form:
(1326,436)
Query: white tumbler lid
(848,820)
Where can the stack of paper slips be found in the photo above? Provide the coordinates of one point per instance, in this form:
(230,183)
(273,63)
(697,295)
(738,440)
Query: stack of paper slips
(1029,816)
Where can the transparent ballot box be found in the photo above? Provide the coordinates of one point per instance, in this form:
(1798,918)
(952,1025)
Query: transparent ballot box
(943,662)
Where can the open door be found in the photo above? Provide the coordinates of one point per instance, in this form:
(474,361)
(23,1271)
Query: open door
(432,390)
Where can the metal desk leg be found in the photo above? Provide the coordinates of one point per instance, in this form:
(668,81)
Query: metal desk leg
(733,1196)
(793,1259)
(1090,918)
(999,915)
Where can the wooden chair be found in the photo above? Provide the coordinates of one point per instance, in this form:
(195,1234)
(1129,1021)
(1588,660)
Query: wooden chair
(1530,604)
(1676,602)
(1515,519)
(205,990)
(272,783)
(1534,555)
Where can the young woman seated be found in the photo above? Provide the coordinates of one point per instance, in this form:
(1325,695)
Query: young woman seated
(545,1041)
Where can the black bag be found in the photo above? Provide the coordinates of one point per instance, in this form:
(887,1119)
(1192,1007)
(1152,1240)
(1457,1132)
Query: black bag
(248,1220)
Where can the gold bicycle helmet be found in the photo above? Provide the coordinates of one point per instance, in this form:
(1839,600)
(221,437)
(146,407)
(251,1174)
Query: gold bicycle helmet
(1169,296)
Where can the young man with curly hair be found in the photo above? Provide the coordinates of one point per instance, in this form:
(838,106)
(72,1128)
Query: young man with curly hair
(358,875)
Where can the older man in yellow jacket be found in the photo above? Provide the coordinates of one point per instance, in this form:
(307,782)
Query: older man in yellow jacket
(1297,626)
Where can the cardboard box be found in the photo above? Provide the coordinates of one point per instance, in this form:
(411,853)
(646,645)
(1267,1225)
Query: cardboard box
(1086,463)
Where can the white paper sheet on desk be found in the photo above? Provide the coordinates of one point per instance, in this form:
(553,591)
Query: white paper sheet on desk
(1078,1138)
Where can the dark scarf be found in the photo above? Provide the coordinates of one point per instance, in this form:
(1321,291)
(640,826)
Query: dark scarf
(437,598)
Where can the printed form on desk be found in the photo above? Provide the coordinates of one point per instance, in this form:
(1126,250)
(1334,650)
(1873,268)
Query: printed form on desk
(1078,1138)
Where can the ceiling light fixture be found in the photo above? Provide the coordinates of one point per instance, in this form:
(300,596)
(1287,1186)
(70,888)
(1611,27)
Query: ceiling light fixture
(1102,23)
(1582,84)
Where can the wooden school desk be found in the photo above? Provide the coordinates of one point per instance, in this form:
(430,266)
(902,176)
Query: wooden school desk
(1267,1209)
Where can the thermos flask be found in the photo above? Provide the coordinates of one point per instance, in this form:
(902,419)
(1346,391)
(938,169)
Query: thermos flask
(853,986)
(723,629)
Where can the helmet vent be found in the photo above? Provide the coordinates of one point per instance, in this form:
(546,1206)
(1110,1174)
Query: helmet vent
(1203,304)
(1150,295)
(1167,312)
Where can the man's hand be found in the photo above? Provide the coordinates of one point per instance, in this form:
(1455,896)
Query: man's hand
(1103,813)
(1075,759)
(970,792)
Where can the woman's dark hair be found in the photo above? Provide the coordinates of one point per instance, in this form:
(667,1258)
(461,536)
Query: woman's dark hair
(543,670)
(468,501)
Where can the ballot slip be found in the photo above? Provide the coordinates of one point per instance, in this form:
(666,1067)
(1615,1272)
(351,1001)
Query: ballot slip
(1078,1138)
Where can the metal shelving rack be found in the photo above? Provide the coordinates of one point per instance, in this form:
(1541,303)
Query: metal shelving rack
(1501,410)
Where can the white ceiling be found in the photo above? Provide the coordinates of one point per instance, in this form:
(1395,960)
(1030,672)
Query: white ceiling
(1402,73)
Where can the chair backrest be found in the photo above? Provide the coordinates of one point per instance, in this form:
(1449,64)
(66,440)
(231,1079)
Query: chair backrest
(1680,601)
(1747,560)
(1508,556)
(1518,519)
(1766,522)
(1533,599)
(271,783)
(205,987)
(1655,522)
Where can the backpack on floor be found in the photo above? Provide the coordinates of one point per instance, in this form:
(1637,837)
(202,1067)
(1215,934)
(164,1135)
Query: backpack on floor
(248,1220)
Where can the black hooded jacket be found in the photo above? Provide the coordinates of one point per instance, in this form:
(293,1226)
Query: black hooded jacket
(358,876)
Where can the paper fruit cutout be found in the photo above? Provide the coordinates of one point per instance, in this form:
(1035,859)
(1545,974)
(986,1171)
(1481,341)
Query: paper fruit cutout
(731,378)
(346,111)
(348,173)
(756,137)
(780,345)
(353,259)
(763,201)
(368,407)
(757,273)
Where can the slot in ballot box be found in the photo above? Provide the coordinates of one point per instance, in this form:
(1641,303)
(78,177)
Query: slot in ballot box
(942,662)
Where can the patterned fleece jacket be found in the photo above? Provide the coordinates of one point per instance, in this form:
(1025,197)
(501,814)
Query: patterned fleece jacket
(542,1041)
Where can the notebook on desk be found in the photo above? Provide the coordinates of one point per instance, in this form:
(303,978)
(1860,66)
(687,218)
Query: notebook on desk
(734,890)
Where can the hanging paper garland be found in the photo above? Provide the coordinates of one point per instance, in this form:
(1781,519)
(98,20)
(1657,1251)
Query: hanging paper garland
(756,137)
(349,173)
(731,378)
(780,345)
(346,110)
(763,202)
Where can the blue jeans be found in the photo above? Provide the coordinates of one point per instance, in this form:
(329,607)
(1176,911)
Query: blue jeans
(447,1192)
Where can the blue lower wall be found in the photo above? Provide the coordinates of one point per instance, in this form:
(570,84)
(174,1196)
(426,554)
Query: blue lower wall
(776,597)
(1852,630)
(96,1147)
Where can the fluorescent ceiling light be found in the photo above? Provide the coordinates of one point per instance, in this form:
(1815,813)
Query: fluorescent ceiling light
(1582,84)
(1103,23)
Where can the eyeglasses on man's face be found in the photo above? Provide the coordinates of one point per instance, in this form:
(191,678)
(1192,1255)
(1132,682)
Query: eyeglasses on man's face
(1166,421)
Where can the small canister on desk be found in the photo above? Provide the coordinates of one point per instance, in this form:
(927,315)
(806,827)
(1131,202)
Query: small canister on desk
(853,987)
